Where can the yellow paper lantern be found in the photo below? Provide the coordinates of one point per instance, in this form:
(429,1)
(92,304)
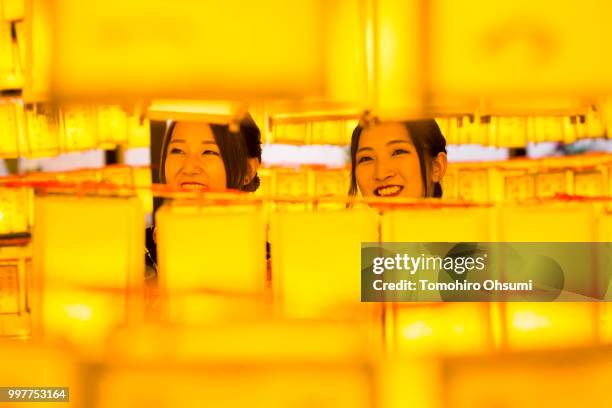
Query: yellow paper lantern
(82,291)
(551,325)
(441,329)
(277,364)
(316,259)
(209,250)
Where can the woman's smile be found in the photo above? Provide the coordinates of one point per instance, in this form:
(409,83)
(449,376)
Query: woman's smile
(388,191)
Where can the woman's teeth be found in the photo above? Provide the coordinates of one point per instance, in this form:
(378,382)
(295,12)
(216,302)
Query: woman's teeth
(192,186)
(388,191)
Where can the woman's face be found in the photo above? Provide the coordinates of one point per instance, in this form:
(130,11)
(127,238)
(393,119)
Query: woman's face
(387,163)
(193,159)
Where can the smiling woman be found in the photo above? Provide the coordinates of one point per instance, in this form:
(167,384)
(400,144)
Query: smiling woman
(207,156)
(398,159)
(193,158)
(199,155)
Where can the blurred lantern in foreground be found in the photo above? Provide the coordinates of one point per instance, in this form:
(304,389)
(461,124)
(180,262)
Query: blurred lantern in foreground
(88,262)
(316,260)
(275,364)
(212,260)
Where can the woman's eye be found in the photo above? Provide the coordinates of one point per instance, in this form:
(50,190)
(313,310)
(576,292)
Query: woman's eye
(398,152)
(210,152)
(176,150)
(364,159)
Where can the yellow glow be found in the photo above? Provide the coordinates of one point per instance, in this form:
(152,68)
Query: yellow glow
(606,108)
(78,311)
(500,74)
(589,183)
(265,188)
(519,47)
(410,382)
(210,250)
(441,329)
(315,257)
(604,233)
(437,225)
(370,55)
(416,330)
(531,380)
(14,209)
(327,363)
(87,293)
(398,70)
(541,223)
(290,183)
(15,318)
(35,364)
(13,9)
(8,64)
(80,176)
(138,131)
(332,132)
(345,55)
(549,184)
(206,111)
(38,51)
(11,118)
(299,386)
(330,182)
(42,131)
(119,175)
(294,379)
(83,318)
(79,128)
(528,320)
(519,187)
(99,226)
(198,49)
(271,341)
(551,325)
(290,133)
(142,182)
(474,185)
(605,324)
(512,131)
(449,184)
(198,248)
(112,126)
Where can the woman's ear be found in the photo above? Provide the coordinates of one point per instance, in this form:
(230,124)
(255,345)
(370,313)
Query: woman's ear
(252,164)
(440,162)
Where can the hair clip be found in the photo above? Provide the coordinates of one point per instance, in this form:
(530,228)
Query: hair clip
(240,113)
(234,126)
(367,119)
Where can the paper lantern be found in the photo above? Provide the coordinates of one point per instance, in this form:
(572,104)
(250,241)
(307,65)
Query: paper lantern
(551,325)
(88,264)
(316,259)
(209,250)
(441,329)
(277,364)
(438,225)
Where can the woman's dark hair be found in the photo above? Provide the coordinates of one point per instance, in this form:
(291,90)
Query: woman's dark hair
(235,147)
(428,142)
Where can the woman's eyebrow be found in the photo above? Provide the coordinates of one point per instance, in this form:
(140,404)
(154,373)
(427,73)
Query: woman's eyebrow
(398,141)
(203,141)
(364,148)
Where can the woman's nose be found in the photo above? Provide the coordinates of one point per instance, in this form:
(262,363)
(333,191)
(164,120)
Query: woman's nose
(383,171)
(192,165)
